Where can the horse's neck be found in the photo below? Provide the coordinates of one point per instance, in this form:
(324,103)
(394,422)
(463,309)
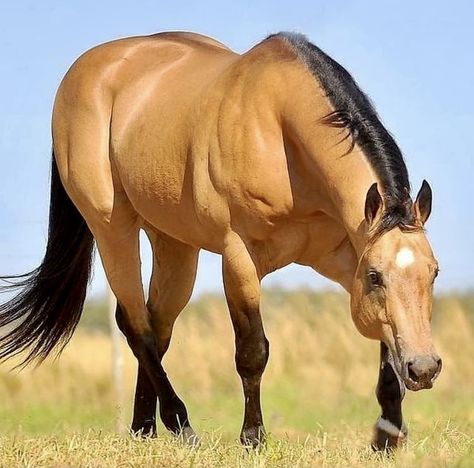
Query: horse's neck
(325,159)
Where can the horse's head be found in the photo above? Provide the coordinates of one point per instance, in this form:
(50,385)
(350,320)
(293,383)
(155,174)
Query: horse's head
(392,292)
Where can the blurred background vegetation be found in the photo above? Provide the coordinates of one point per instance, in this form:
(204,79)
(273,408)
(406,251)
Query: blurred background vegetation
(320,378)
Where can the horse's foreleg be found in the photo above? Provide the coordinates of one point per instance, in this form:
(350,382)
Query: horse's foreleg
(242,288)
(390,431)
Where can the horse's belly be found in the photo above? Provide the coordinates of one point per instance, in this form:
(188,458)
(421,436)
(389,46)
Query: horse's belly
(161,191)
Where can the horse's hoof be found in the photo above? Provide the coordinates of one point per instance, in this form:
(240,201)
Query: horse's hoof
(253,437)
(144,431)
(387,436)
(189,437)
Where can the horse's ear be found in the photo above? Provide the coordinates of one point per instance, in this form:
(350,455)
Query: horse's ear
(422,204)
(373,205)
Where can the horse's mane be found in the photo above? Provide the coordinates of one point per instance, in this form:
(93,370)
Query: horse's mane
(355,112)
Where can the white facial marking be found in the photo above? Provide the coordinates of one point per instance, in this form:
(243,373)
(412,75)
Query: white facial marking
(404,257)
(389,427)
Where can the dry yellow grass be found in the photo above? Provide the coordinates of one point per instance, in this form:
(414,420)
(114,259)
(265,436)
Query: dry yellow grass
(318,395)
(91,449)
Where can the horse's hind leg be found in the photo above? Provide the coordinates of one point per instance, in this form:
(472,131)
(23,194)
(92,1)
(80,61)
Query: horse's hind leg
(242,288)
(389,430)
(144,408)
(81,133)
(171,285)
(118,244)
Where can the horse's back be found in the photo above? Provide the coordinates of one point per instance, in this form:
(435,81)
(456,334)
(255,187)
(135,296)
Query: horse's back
(104,73)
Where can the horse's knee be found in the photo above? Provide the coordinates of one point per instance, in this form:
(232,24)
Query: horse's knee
(251,356)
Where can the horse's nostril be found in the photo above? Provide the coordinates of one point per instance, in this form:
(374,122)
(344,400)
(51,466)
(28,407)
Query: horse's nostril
(411,373)
(423,368)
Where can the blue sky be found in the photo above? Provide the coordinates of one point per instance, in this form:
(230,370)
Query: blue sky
(413,58)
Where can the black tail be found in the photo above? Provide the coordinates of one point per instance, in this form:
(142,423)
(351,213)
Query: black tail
(47,309)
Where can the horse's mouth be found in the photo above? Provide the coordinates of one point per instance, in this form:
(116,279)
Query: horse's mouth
(414,386)
(410,380)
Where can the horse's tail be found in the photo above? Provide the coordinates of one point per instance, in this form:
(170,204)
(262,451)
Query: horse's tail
(47,308)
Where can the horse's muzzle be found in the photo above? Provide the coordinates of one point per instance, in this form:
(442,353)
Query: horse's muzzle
(421,371)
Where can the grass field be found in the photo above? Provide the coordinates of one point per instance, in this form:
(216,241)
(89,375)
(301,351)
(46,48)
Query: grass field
(318,393)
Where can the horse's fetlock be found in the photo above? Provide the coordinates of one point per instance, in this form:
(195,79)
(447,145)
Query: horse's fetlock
(174,415)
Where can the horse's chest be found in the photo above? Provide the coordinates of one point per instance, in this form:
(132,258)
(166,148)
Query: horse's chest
(317,242)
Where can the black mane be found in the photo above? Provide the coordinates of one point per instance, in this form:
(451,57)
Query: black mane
(355,112)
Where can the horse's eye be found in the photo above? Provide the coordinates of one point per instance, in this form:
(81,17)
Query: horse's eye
(375,278)
(436,273)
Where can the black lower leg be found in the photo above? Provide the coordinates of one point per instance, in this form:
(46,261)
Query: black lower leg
(389,430)
(252,351)
(144,409)
(172,410)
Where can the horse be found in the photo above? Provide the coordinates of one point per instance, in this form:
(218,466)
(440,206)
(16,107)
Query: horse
(270,157)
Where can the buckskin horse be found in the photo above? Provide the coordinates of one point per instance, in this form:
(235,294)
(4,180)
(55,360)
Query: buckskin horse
(269,157)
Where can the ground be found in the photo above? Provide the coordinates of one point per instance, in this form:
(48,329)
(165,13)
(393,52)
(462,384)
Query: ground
(318,394)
